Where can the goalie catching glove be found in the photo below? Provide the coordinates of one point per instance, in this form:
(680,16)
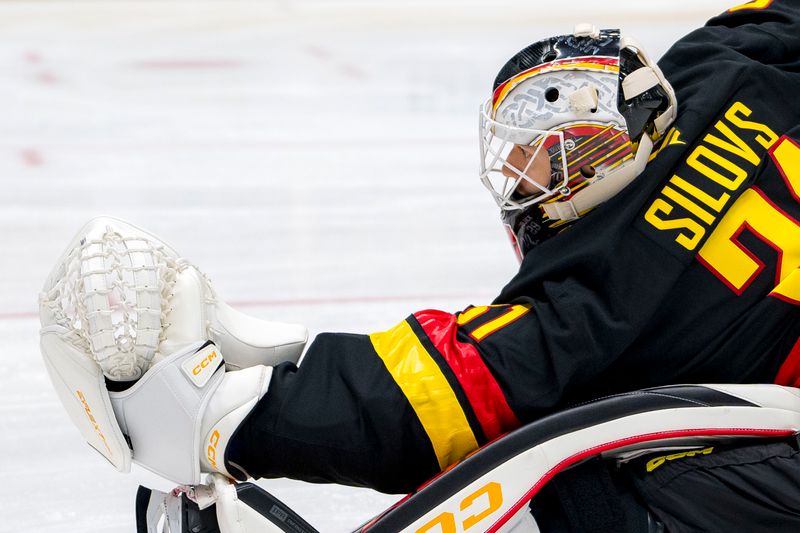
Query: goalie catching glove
(125,330)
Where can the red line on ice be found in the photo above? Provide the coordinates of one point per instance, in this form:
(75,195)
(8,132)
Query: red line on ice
(305,301)
(266,144)
(188,63)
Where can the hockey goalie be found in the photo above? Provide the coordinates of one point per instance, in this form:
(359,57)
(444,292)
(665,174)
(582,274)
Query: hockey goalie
(655,209)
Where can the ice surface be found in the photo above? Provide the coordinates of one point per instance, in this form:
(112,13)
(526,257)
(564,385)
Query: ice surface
(316,159)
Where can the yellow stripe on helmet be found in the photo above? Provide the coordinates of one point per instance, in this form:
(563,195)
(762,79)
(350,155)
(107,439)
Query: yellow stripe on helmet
(576,65)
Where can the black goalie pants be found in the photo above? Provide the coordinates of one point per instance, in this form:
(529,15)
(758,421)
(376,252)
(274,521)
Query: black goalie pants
(751,488)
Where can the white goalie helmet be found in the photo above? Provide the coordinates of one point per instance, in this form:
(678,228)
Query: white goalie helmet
(572,120)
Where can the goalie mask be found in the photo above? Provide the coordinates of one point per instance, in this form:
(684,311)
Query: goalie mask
(573,119)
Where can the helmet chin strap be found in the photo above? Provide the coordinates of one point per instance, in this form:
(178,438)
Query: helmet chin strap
(601,189)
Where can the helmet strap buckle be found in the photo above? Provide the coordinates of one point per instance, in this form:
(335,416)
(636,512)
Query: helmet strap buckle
(563,210)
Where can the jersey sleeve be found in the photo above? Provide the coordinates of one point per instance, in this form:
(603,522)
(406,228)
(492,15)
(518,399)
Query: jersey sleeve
(391,409)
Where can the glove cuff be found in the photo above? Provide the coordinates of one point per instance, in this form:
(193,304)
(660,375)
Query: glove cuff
(162,413)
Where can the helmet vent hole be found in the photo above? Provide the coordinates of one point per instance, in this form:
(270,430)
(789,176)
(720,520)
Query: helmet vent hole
(551,94)
(587,171)
(593,110)
(549,56)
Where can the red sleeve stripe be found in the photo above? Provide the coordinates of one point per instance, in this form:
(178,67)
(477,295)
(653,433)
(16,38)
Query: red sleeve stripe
(789,373)
(480,387)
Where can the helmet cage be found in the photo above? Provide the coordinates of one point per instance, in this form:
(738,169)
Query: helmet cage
(503,178)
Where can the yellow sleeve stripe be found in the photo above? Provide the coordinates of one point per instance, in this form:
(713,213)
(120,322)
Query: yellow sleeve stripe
(428,392)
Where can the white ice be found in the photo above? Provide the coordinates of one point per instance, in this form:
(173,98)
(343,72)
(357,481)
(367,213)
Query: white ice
(317,159)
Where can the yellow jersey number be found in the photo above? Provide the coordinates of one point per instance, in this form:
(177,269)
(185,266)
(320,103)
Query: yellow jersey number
(735,265)
(511,314)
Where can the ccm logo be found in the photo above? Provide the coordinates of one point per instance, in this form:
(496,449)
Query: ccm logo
(652,464)
(204,363)
(211,451)
(475,507)
(93,421)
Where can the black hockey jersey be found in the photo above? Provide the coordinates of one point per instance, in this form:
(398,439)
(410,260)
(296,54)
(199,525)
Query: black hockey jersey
(691,274)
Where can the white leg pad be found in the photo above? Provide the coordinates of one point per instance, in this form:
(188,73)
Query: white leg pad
(233,515)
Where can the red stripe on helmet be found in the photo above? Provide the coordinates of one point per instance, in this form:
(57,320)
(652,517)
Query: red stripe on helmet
(558,64)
